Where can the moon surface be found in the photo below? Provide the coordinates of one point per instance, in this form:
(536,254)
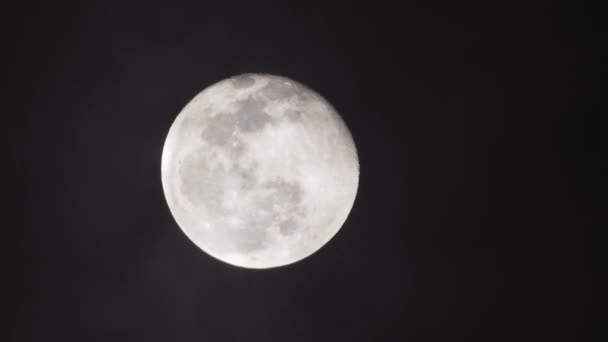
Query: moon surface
(259,171)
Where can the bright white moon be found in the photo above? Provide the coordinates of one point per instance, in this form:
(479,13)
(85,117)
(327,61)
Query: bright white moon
(259,171)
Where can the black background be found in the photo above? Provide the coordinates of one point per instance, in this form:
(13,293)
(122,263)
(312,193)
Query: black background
(467,225)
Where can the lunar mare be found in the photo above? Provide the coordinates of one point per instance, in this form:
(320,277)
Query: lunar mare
(259,171)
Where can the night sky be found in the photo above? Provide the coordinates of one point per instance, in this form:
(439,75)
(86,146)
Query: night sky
(467,224)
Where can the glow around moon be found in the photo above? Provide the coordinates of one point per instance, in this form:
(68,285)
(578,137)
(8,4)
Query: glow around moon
(259,171)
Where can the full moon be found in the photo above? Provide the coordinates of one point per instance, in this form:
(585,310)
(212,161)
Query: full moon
(259,171)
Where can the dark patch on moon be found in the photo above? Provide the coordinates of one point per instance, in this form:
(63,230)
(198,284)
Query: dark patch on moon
(279,90)
(243,81)
(293,114)
(251,115)
(251,240)
(287,227)
(283,197)
(283,193)
(236,148)
(219,129)
(200,184)
(246,176)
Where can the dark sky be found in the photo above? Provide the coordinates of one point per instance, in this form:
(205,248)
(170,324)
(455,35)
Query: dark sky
(467,225)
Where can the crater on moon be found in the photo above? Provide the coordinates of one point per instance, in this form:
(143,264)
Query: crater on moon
(259,171)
